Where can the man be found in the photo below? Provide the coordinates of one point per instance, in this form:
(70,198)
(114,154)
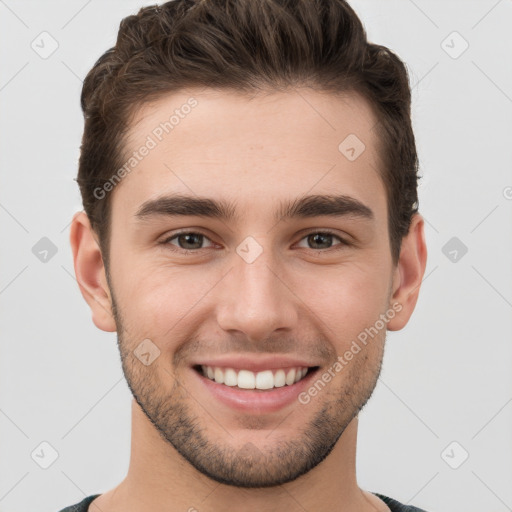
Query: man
(251,231)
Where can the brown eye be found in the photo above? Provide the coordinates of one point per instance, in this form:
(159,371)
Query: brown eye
(322,240)
(187,241)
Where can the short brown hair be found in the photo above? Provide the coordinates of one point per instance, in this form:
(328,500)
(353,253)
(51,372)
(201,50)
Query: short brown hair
(248,46)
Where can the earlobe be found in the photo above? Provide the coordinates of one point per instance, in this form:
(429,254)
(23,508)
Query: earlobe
(90,272)
(408,274)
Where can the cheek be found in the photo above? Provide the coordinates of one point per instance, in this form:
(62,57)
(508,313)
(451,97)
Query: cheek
(350,300)
(156,300)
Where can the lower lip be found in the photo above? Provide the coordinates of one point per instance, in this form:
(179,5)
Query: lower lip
(256,401)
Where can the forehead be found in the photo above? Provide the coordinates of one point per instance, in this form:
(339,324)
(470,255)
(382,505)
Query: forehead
(252,148)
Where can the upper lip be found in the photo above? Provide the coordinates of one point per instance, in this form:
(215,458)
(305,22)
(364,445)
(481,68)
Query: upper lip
(255,363)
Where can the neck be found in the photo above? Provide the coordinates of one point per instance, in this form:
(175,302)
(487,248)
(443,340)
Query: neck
(159,479)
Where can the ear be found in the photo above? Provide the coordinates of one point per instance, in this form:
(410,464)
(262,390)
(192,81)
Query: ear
(408,273)
(90,272)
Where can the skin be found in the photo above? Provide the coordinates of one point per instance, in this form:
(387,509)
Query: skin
(297,298)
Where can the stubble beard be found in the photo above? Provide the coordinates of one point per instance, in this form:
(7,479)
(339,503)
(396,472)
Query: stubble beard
(248,466)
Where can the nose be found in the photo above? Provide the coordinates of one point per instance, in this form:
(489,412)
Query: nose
(256,299)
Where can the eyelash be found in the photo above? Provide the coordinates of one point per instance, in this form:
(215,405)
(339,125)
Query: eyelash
(166,242)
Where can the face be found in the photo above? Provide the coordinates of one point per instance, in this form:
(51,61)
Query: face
(219,305)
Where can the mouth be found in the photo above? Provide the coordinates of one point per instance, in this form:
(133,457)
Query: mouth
(255,392)
(265,380)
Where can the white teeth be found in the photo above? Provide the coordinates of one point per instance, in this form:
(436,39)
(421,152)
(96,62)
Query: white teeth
(219,376)
(264,380)
(246,379)
(290,377)
(279,379)
(230,378)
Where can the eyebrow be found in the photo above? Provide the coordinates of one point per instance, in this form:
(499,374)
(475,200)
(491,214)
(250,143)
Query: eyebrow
(303,207)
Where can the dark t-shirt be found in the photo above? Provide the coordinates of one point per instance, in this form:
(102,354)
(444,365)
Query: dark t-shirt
(394,505)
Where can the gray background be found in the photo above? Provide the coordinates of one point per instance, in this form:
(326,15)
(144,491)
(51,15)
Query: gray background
(446,376)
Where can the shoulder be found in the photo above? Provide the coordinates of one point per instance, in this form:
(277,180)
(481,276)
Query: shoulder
(396,506)
(83,506)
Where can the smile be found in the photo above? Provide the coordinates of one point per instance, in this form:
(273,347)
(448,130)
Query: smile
(247,379)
